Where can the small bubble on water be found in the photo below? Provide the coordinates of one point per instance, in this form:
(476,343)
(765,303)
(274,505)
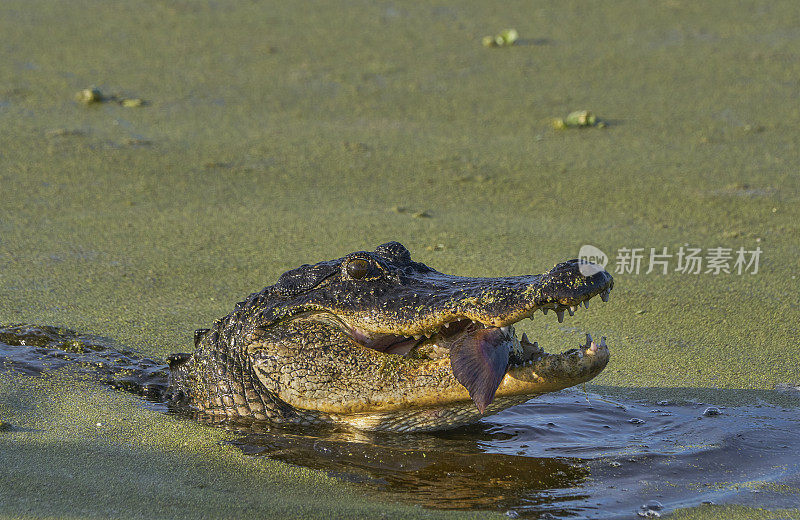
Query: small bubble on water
(512,514)
(708,502)
(635,420)
(712,411)
(615,464)
(663,403)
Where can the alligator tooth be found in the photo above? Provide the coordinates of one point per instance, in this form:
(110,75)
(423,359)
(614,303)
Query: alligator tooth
(560,315)
(447,325)
(589,339)
(586,303)
(505,330)
(544,310)
(604,295)
(417,337)
(602,341)
(427,335)
(571,311)
(524,338)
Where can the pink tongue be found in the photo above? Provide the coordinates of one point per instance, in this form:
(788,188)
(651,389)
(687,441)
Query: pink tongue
(479,362)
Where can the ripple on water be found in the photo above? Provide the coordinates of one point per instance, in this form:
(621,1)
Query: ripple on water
(562,456)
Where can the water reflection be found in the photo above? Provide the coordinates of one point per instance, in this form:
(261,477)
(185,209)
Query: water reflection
(565,455)
(451,471)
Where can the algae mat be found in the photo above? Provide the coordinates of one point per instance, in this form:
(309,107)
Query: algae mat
(275,134)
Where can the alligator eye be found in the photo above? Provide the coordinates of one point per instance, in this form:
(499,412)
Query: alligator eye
(357,268)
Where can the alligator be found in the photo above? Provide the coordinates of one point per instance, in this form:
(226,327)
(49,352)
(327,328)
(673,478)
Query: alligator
(377,341)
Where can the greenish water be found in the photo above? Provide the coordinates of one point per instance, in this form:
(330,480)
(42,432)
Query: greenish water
(278,134)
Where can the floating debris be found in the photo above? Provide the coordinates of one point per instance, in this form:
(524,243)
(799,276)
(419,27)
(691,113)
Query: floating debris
(505,38)
(578,119)
(89,96)
(712,411)
(651,509)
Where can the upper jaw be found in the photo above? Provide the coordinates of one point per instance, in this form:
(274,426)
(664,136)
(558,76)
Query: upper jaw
(490,302)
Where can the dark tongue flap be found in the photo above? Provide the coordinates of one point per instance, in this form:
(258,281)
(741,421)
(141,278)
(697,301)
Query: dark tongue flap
(479,362)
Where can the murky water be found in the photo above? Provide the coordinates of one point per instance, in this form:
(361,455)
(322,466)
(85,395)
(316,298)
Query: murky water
(558,456)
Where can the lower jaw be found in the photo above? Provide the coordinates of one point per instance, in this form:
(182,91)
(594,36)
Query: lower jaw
(547,373)
(553,372)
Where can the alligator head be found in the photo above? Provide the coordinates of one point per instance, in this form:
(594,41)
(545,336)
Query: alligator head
(380,342)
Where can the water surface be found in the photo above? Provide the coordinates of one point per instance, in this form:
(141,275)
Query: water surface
(570,454)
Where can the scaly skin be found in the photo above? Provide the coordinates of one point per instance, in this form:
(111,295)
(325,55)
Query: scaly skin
(334,343)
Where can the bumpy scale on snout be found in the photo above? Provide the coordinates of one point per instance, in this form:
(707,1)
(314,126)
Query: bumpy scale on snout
(380,342)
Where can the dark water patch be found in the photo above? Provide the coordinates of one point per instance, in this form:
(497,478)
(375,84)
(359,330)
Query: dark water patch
(34,350)
(616,453)
(567,455)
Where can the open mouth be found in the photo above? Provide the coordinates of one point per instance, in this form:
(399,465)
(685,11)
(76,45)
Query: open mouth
(481,353)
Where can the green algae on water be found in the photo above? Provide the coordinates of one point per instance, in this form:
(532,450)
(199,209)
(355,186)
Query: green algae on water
(89,96)
(506,38)
(578,119)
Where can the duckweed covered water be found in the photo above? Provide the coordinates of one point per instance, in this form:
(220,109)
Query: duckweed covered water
(273,134)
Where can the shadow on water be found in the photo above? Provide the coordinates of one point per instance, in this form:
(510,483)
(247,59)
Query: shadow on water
(599,455)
